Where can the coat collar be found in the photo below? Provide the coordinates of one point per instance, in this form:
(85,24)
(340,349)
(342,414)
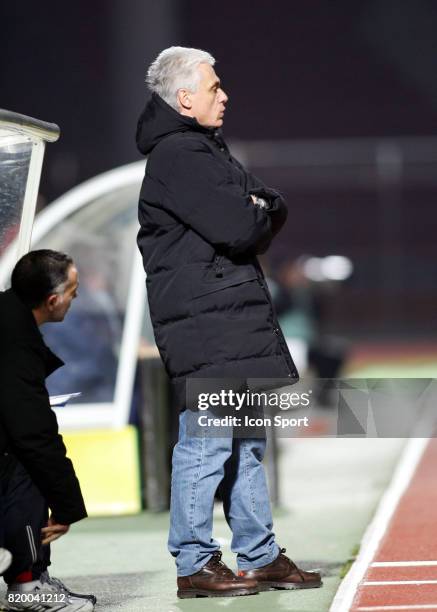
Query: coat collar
(23,327)
(159,120)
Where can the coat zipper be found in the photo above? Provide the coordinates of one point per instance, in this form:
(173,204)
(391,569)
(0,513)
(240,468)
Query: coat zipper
(277,330)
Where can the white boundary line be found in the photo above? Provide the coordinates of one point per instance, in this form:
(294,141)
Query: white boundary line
(382,608)
(404,564)
(405,469)
(396,582)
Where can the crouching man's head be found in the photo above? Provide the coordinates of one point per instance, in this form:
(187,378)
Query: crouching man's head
(46,281)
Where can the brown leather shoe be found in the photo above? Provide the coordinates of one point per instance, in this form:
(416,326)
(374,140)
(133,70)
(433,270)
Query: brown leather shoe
(215,579)
(282,573)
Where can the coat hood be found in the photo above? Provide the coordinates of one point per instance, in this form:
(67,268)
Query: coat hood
(159,120)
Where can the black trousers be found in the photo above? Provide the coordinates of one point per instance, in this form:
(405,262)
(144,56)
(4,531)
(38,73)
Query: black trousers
(23,513)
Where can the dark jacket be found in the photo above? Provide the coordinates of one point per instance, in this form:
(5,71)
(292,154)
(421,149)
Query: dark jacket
(200,234)
(28,426)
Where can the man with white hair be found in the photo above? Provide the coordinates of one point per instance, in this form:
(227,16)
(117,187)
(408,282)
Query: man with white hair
(204,219)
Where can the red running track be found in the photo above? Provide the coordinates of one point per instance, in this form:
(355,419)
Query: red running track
(403,573)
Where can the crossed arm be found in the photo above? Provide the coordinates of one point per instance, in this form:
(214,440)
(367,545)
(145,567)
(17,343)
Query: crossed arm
(203,196)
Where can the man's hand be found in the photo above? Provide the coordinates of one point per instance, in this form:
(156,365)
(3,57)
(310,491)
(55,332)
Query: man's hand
(260,202)
(53,531)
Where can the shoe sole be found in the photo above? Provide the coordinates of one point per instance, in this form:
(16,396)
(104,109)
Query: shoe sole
(203,593)
(290,586)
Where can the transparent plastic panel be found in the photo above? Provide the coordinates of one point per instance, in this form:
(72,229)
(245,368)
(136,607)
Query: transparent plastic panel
(101,239)
(15,154)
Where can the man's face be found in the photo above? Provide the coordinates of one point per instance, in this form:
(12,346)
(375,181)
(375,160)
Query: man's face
(59,303)
(208,102)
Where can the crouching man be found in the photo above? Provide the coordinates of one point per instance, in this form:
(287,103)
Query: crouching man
(35,473)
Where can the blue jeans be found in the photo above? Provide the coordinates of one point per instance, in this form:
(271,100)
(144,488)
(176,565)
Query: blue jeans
(200,466)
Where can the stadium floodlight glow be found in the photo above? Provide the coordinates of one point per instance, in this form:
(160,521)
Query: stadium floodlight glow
(336,267)
(313,269)
(330,268)
(22,145)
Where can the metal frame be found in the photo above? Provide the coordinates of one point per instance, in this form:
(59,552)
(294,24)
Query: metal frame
(30,198)
(112,414)
(38,132)
(35,128)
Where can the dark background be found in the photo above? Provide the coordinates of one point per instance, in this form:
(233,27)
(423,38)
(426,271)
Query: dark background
(339,76)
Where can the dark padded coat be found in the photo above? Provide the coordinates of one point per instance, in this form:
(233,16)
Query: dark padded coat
(28,425)
(200,234)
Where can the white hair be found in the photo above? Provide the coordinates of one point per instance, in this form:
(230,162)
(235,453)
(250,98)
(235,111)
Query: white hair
(176,68)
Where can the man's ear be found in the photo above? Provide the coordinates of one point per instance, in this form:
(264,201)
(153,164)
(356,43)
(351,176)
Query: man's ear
(184,99)
(51,301)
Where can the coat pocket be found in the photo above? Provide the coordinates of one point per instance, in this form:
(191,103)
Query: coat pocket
(230,275)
